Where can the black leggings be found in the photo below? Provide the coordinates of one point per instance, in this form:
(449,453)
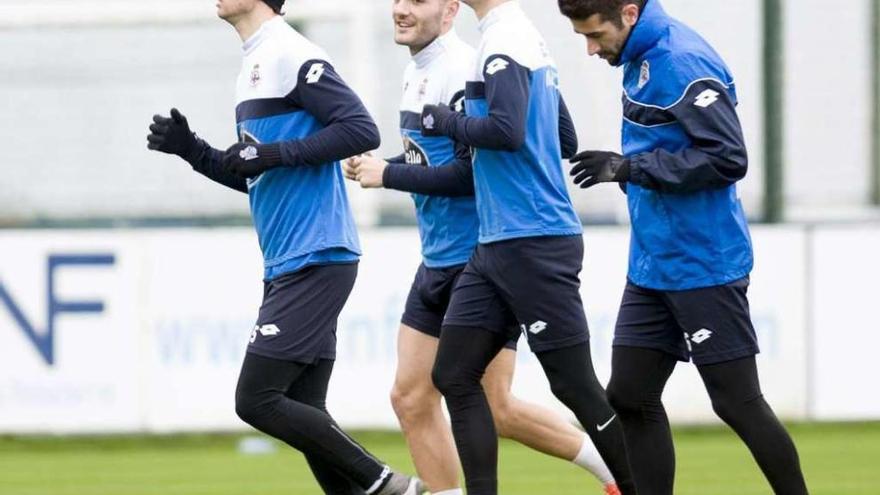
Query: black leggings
(287,401)
(638,377)
(462,358)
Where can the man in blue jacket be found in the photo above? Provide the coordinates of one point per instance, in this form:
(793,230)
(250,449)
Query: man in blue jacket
(690,253)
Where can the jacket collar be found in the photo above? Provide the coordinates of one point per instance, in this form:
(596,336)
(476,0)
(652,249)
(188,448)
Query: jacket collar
(434,49)
(276,22)
(650,27)
(500,13)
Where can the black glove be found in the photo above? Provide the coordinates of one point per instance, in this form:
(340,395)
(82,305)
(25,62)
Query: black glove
(251,159)
(171,135)
(434,119)
(593,167)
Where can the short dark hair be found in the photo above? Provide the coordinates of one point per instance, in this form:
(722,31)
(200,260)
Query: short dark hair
(608,10)
(275,4)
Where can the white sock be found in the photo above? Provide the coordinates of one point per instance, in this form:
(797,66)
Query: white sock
(589,459)
(454,491)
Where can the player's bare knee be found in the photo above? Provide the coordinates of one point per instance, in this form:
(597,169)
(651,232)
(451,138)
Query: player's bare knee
(410,404)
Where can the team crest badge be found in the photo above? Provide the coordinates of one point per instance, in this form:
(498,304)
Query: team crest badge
(644,74)
(255,75)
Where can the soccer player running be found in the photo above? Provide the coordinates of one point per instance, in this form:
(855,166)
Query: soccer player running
(524,270)
(690,253)
(443,187)
(295,118)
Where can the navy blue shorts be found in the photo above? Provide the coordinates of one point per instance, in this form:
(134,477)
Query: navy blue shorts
(429,297)
(297,320)
(710,325)
(529,285)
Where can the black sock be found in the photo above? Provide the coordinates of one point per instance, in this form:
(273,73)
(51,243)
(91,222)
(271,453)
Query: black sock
(311,389)
(573,381)
(462,358)
(737,399)
(638,377)
(261,401)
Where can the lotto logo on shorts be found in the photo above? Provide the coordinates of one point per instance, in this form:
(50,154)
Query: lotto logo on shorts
(535,328)
(265,331)
(698,337)
(701,336)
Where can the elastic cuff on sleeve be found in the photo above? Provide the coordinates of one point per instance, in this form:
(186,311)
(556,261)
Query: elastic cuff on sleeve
(390,174)
(624,172)
(635,171)
(271,154)
(196,150)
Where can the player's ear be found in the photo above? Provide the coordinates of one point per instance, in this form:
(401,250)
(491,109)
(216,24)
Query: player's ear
(629,14)
(452,7)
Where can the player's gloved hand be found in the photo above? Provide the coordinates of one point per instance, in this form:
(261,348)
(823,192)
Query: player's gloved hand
(171,135)
(592,167)
(251,159)
(434,119)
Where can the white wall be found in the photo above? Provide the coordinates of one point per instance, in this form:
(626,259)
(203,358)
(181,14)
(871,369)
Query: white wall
(828,109)
(845,330)
(163,353)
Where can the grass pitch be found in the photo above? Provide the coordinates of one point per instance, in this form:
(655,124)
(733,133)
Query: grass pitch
(837,459)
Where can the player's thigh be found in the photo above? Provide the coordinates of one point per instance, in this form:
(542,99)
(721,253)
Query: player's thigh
(416,353)
(476,303)
(298,316)
(539,280)
(715,322)
(645,321)
(428,298)
(311,386)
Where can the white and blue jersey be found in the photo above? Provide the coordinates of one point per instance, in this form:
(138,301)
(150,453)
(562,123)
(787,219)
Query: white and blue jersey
(448,224)
(289,93)
(514,116)
(685,143)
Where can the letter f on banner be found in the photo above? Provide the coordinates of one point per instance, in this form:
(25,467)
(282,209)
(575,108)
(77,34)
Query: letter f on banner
(44,342)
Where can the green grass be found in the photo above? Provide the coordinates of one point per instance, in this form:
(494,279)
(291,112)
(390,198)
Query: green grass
(837,459)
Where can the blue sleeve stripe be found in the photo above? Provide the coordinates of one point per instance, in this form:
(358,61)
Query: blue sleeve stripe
(646,116)
(264,107)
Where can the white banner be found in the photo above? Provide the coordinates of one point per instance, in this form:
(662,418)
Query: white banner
(145,330)
(845,329)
